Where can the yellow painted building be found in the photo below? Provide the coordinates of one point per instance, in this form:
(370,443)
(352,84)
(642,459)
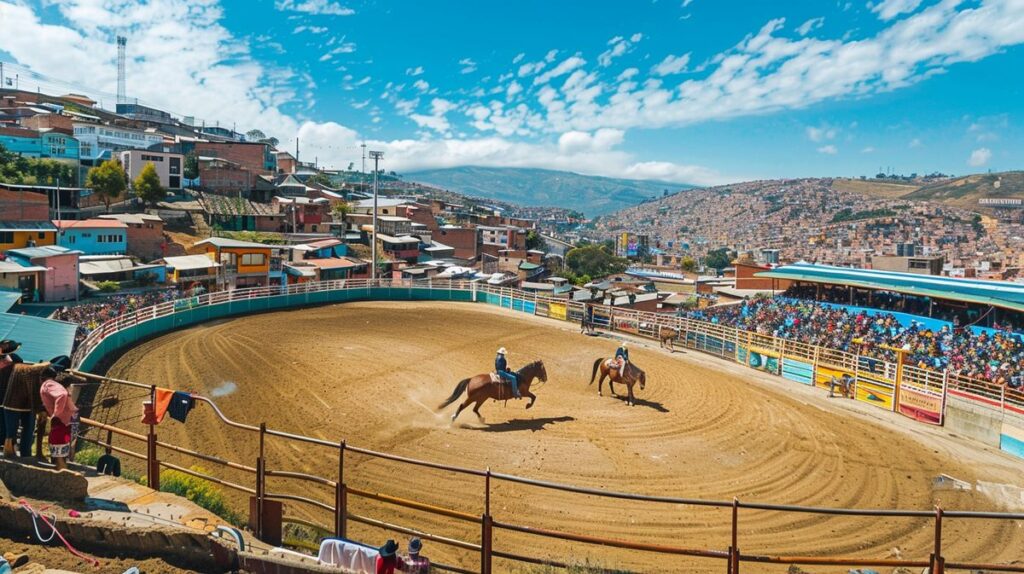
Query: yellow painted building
(243,263)
(21,234)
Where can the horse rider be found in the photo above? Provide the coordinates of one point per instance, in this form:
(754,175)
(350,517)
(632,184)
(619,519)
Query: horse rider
(501,367)
(622,357)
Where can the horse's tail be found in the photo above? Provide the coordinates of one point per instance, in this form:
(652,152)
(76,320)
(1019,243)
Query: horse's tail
(593,374)
(459,389)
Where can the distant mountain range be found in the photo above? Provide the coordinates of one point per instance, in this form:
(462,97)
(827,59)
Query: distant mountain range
(587,194)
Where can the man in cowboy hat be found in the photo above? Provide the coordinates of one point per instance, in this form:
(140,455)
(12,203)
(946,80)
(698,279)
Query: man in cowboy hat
(414,563)
(501,367)
(622,356)
(7,361)
(387,558)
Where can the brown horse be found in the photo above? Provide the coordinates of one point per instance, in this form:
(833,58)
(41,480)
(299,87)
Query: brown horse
(480,388)
(632,375)
(667,336)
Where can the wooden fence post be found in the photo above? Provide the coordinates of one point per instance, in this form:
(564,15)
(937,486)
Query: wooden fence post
(734,550)
(341,498)
(938,562)
(152,462)
(261,481)
(486,534)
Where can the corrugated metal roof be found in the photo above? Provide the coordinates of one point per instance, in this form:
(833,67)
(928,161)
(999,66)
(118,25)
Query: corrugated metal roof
(9,299)
(997,293)
(41,339)
(27,226)
(189,262)
(226,242)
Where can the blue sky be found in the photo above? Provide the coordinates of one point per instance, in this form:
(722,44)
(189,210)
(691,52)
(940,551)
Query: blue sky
(700,91)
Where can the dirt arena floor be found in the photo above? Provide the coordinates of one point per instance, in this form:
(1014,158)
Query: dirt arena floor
(372,373)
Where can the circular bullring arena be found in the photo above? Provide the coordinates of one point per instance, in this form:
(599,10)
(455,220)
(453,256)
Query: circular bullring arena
(372,373)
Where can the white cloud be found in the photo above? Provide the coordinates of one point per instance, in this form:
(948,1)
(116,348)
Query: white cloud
(564,67)
(343,48)
(550,56)
(618,47)
(671,65)
(828,149)
(810,26)
(889,9)
(519,58)
(868,149)
(979,157)
(820,134)
(530,68)
(915,143)
(601,140)
(310,29)
(687,3)
(318,7)
(421,85)
(418,70)
(436,120)
(513,89)
(468,66)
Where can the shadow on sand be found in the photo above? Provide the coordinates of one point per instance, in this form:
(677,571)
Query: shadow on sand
(532,425)
(643,403)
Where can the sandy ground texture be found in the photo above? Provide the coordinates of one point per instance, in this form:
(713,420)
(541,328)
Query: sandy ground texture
(42,557)
(372,373)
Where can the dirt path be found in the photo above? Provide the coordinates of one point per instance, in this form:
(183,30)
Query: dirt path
(372,372)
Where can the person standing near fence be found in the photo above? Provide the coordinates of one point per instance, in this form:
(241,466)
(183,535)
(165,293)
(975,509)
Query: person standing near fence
(415,563)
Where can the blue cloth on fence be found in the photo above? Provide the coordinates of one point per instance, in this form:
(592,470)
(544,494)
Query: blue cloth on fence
(181,404)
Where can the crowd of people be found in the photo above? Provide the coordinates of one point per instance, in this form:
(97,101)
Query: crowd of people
(994,356)
(88,316)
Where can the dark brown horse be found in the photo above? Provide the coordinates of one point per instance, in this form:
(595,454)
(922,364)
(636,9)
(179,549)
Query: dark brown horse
(632,375)
(481,387)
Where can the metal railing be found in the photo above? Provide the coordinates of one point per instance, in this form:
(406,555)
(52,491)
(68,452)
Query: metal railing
(717,339)
(486,520)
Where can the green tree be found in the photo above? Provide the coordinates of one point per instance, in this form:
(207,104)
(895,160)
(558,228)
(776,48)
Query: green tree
(595,261)
(147,185)
(320,178)
(191,170)
(718,259)
(107,180)
(340,210)
(535,241)
(255,135)
(689,264)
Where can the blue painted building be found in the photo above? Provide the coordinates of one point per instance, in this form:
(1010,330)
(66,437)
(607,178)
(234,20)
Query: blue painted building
(93,236)
(40,144)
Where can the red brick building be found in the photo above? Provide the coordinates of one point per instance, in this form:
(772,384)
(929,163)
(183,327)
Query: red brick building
(145,234)
(252,156)
(466,241)
(745,278)
(23,206)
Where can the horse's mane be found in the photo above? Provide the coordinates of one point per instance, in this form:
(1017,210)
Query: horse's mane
(533,364)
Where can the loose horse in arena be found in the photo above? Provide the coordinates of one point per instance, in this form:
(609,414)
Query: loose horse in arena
(482,387)
(630,377)
(668,336)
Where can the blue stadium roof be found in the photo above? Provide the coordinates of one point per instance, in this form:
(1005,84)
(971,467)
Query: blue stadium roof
(996,293)
(41,339)
(8,299)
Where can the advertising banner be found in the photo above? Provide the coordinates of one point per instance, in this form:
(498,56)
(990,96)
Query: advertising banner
(920,406)
(557,311)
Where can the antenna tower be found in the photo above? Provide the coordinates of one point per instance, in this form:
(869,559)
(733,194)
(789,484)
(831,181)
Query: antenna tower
(122,43)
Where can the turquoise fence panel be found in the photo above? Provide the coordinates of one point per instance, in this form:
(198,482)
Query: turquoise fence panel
(529,307)
(798,371)
(506,302)
(1011,445)
(741,354)
(517,304)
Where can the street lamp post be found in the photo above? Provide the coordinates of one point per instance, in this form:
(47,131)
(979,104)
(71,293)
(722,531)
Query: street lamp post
(376,157)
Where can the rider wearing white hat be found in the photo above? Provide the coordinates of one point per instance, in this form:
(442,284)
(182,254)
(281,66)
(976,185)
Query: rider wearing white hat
(501,367)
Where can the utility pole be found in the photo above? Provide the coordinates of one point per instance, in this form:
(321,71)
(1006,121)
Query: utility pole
(375,156)
(362,169)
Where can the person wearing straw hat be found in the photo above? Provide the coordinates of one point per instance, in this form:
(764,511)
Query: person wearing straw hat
(387,558)
(414,563)
(504,373)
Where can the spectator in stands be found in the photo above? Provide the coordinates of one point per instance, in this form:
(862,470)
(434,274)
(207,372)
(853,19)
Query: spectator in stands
(60,409)
(387,558)
(7,360)
(415,563)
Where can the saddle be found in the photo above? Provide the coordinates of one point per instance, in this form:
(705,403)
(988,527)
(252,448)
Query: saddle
(611,363)
(496,378)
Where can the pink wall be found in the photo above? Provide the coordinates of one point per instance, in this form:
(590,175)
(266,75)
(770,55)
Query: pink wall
(60,282)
